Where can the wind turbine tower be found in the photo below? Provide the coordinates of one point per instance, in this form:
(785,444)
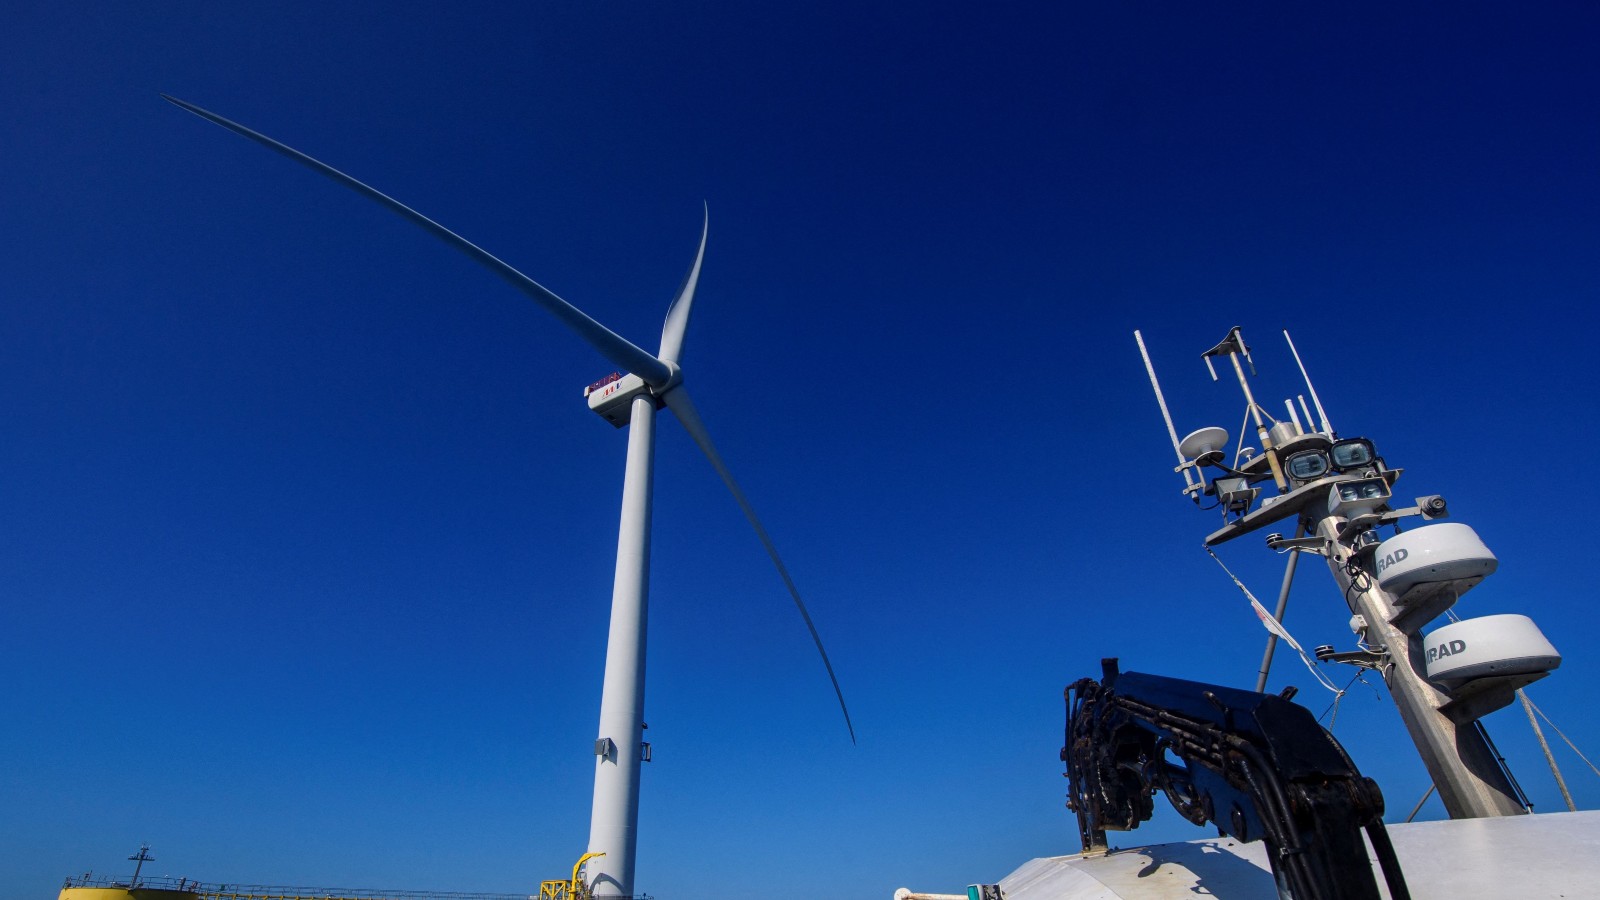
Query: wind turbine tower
(631,400)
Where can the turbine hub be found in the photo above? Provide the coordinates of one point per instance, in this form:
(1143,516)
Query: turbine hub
(612,396)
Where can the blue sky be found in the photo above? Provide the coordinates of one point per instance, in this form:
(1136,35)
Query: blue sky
(310,534)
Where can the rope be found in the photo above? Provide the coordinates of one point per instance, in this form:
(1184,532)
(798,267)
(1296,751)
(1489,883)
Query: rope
(1527,707)
(1564,737)
(1418,808)
(1338,696)
(1276,627)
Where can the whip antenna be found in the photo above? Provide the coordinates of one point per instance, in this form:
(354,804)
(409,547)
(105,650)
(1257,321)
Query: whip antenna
(1326,428)
(1183,464)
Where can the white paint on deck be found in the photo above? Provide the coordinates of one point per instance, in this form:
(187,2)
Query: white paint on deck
(1542,857)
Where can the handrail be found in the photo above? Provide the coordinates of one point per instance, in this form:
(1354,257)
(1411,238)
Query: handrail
(229,891)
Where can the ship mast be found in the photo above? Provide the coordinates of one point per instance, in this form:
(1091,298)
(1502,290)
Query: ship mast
(139,859)
(1338,494)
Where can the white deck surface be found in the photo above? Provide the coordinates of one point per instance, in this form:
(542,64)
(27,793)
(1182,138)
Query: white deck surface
(1553,855)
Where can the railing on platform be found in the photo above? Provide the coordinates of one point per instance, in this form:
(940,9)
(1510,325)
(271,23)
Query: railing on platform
(228,891)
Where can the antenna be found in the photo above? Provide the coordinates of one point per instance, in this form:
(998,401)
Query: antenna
(1183,464)
(140,858)
(1233,347)
(1327,428)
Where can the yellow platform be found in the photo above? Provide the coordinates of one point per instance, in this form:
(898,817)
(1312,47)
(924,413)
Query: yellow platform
(122,893)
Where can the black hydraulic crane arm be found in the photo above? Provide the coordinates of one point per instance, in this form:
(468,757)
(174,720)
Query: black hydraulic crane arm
(1257,766)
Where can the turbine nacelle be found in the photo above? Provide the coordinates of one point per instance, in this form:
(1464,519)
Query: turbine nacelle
(612,396)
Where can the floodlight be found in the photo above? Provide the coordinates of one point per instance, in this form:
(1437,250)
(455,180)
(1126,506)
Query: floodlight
(1352,454)
(1352,498)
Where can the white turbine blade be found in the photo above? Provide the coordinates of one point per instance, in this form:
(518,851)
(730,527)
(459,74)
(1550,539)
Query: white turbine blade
(611,345)
(678,314)
(678,401)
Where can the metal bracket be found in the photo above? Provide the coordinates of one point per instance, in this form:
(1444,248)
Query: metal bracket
(1376,660)
(1432,507)
(1313,544)
(1367,522)
(1476,699)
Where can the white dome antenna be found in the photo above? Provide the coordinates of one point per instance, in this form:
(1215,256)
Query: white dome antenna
(1203,442)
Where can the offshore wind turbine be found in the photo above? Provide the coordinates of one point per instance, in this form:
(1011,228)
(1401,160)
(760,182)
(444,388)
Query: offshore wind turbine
(654,381)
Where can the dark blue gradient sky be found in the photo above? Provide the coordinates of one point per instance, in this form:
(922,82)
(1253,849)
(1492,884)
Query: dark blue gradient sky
(309,535)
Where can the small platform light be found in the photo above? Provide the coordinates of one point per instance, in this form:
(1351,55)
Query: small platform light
(1235,494)
(1352,498)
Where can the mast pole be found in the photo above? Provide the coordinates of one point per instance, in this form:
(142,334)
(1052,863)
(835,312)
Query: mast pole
(1283,604)
(139,859)
(1470,780)
(1261,427)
